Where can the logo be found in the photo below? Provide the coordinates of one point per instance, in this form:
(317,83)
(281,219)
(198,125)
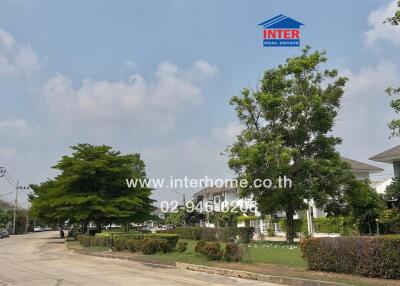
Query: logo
(281,31)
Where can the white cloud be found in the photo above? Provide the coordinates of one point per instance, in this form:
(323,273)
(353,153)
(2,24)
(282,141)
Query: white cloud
(194,157)
(137,102)
(18,126)
(203,69)
(27,61)
(6,68)
(15,58)
(6,39)
(362,121)
(380,31)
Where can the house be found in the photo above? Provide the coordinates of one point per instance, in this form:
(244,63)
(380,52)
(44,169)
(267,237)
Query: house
(228,196)
(390,156)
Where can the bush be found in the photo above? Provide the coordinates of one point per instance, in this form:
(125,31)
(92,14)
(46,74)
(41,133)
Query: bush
(171,238)
(212,234)
(150,246)
(368,256)
(341,225)
(164,246)
(85,240)
(232,252)
(119,244)
(134,245)
(195,233)
(199,246)
(245,234)
(182,246)
(212,250)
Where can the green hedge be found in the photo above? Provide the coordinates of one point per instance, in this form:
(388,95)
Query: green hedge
(132,242)
(223,234)
(300,225)
(172,239)
(368,256)
(341,225)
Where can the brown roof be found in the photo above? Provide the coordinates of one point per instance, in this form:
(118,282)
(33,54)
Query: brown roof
(361,167)
(388,156)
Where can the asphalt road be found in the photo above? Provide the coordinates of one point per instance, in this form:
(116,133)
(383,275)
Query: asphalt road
(41,259)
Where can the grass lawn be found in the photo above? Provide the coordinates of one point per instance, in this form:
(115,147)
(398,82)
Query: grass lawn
(257,252)
(274,253)
(190,256)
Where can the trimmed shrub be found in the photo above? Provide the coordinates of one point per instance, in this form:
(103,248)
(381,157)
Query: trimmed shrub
(150,246)
(245,234)
(182,246)
(85,240)
(134,245)
(171,238)
(119,244)
(368,256)
(212,250)
(341,225)
(232,252)
(195,233)
(199,246)
(164,246)
(212,234)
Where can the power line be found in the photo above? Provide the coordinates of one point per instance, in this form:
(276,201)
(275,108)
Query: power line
(9,176)
(6,194)
(8,180)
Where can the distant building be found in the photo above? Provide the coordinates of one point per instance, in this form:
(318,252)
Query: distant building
(220,197)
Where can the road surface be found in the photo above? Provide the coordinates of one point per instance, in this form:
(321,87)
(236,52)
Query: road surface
(41,259)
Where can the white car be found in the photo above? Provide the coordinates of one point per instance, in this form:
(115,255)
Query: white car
(37,229)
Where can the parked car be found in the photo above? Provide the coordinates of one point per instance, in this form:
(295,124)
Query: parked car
(37,229)
(1,235)
(46,228)
(4,232)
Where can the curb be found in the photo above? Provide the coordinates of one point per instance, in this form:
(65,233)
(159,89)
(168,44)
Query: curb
(213,270)
(255,276)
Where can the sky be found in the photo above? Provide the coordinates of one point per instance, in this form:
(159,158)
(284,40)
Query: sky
(155,77)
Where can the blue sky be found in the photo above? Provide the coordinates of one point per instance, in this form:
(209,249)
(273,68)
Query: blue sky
(156,78)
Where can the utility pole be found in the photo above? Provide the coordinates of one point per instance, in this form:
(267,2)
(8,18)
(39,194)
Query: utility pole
(15,206)
(18,187)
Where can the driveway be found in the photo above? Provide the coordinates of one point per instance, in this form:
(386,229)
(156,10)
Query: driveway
(41,259)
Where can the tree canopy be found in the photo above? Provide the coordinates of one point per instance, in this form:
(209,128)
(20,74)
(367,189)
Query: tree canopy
(288,121)
(92,186)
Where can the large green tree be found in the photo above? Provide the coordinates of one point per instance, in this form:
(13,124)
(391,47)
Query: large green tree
(288,122)
(91,187)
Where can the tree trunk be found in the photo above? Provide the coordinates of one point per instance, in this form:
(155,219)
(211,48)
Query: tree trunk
(84,226)
(369,228)
(98,226)
(289,225)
